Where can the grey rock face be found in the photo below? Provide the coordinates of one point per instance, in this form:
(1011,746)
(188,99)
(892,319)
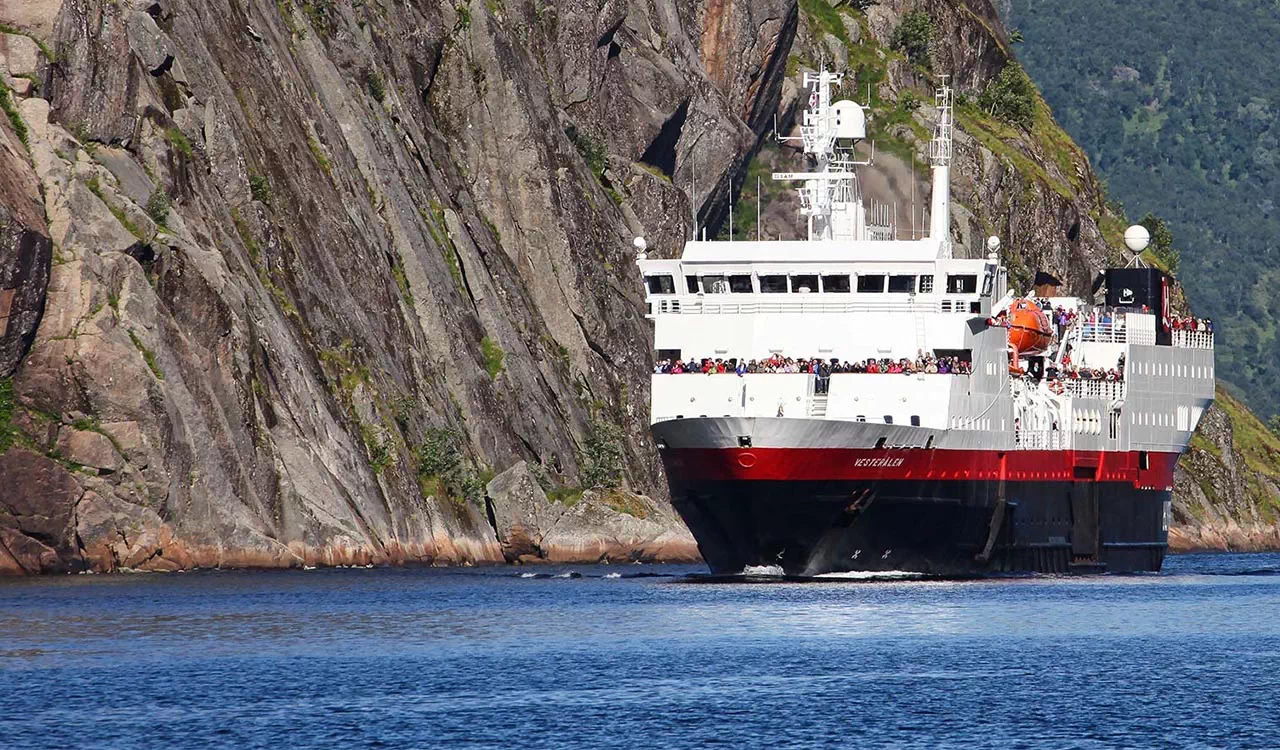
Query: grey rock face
(597,526)
(25,252)
(375,226)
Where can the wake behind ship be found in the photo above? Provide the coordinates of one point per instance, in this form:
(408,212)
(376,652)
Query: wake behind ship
(860,402)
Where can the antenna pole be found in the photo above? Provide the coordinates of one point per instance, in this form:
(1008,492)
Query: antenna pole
(758,206)
(913,193)
(694,156)
(731,209)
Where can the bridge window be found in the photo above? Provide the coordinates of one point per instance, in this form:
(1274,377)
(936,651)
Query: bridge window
(965,283)
(926,284)
(915,420)
(804,283)
(715,285)
(691,283)
(888,419)
(836,284)
(773,284)
(900,284)
(661,284)
(872,283)
(740,284)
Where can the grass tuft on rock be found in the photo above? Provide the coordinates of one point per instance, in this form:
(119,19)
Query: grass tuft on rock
(318,152)
(148,356)
(15,119)
(158,206)
(178,140)
(493,356)
(8,408)
(260,189)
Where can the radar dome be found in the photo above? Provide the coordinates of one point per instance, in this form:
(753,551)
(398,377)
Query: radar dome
(993,243)
(1136,238)
(639,243)
(849,120)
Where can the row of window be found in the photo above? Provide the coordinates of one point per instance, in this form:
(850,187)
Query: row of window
(888,419)
(1172,370)
(872,283)
(1182,419)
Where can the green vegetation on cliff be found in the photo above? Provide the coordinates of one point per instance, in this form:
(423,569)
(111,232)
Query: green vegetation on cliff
(7,408)
(1179,120)
(1242,473)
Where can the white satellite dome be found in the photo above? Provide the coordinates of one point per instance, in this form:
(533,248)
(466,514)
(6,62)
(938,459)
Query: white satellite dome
(993,243)
(1136,238)
(640,244)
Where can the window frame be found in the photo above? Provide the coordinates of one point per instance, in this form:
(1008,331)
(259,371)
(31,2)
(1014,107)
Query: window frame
(911,286)
(848,283)
(883,280)
(670,283)
(971,277)
(785,286)
(813,288)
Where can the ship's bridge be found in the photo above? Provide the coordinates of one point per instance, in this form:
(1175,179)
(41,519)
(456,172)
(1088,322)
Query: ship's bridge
(844,300)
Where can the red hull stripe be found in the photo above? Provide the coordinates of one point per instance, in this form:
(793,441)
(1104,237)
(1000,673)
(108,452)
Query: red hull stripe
(810,464)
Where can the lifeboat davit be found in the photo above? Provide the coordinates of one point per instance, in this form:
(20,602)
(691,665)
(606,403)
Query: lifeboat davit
(1029,331)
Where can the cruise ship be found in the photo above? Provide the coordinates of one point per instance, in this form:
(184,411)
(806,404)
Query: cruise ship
(860,401)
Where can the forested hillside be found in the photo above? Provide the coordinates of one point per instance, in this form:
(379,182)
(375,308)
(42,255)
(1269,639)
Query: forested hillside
(1175,103)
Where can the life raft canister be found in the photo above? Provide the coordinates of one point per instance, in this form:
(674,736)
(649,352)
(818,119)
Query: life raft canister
(1029,329)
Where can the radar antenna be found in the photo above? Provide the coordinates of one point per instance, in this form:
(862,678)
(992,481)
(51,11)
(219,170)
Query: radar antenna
(829,131)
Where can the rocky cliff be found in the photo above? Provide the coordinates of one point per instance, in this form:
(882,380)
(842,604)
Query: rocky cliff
(344,282)
(292,280)
(1227,487)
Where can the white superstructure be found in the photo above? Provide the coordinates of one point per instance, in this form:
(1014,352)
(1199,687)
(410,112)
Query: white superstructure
(854,291)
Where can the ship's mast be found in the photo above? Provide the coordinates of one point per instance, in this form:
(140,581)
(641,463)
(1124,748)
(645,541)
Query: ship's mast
(829,199)
(940,156)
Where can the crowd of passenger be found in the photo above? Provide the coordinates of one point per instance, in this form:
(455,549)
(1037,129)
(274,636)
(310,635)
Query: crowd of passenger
(1063,317)
(922,364)
(1055,374)
(1192,324)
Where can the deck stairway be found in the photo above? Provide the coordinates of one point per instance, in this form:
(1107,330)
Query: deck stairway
(818,405)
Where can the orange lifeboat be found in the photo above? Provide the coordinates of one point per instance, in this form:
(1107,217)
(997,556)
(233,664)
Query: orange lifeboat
(1029,331)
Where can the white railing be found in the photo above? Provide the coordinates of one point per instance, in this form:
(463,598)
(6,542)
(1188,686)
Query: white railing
(1042,439)
(1104,333)
(726,305)
(1193,339)
(1108,390)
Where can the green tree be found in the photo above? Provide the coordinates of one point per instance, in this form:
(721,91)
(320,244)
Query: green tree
(914,36)
(1161,242)
(602,455)
(1010,97)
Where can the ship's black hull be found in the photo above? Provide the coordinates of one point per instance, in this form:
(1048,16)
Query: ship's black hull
(945,528)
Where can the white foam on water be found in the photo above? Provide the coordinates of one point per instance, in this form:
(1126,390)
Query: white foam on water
(612,575)
(873,575)
(771,571)
(528,575)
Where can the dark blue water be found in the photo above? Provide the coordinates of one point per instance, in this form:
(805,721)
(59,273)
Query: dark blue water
(486,658)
